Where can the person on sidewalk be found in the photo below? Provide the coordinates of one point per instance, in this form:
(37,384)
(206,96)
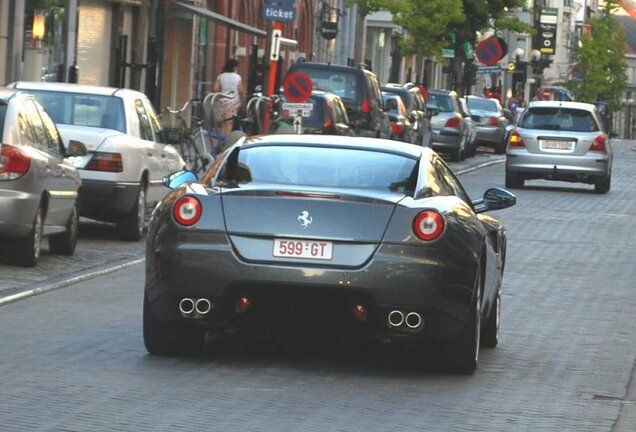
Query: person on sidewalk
(226,109)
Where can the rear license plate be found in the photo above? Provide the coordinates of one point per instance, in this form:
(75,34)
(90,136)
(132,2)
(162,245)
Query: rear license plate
(557,145)
(309,249)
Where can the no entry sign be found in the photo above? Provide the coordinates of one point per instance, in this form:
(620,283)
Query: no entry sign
(297,87)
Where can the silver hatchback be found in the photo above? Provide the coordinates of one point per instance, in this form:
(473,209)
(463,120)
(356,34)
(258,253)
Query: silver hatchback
(558,140)
(38,186)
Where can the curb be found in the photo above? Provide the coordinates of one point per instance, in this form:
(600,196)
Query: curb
(76,279)
(61,284)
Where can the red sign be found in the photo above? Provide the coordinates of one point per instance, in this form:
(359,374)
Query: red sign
(297,87)
(489,51)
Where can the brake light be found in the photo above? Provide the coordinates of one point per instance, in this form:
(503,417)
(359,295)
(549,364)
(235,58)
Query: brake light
(515,140)
(428,225)
(327,124)
(365,107)
(599,144)
(109,162)
(454,123)
(397,128)
(494,121)
(13,163)
(187,210)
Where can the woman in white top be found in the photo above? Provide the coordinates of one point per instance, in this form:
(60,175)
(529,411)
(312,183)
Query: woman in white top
(226,109)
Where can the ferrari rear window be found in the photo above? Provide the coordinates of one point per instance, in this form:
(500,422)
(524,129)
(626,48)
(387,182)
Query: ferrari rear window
(331,167)
(558,118)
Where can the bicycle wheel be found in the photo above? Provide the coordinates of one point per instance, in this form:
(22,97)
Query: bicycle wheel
(201,157)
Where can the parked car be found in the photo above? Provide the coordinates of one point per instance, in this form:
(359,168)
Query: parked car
(490,122)
(471,130)
(450,133)
(557,140)
(360,91)
(327,116)
(38,184)
(121,175)
(401,125)
(355,237)
(416,107)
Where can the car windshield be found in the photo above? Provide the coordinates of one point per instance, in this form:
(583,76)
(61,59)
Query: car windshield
(343,84)
(330,167)
(482,104)
(442,103)
(3,111)
(82,109)
(559,118)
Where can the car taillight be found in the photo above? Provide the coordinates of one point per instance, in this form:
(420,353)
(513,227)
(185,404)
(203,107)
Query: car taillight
(110,162)
(454,123)
(365,107)
(327,124)
(494,121)
(515,140)
(187,210)
(599,144)
(13,163)
(428,225)
(397,128)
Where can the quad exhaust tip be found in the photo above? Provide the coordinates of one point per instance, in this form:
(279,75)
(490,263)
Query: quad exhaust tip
(189,306)
(396,318)
(412,320)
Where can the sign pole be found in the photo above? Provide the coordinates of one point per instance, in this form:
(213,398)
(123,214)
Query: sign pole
(273,69)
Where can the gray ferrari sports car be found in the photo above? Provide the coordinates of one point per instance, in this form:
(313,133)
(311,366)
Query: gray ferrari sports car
(345,236)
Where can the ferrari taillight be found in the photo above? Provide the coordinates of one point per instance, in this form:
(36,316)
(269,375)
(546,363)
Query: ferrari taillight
(599,144)
(108,162)
(515,140)
(428,225)
(187,210)
(454,122)
(13,163)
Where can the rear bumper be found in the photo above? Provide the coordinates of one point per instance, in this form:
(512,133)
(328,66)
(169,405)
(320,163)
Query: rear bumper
(439,288)
(488,135)
(107,201)
(17,212)
(447,139)
(589,167)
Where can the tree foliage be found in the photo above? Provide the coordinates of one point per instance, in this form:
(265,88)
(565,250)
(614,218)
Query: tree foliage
(601,60)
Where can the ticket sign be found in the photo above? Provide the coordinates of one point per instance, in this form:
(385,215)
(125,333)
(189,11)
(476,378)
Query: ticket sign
(279,13)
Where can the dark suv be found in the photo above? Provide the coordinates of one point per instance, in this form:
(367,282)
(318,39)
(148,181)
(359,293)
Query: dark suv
(360,91)
(416,108)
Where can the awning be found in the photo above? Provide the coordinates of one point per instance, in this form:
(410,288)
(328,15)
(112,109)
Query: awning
(233,24)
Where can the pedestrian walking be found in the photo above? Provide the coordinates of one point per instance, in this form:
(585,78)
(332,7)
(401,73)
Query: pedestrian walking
(226,109)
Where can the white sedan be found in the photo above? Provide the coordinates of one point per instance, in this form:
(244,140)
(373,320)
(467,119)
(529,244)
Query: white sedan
(126,161)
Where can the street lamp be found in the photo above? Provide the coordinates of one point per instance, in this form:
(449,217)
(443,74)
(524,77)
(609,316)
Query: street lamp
(34,53)
(39,26)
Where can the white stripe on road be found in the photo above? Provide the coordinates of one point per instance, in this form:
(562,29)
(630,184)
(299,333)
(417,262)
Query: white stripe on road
(66,282)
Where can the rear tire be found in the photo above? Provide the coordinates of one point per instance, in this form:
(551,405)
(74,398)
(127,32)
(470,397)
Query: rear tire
(132,225)
(167,338)
(64,243)
(514,181)
(490,328)
(603,186)
(27,249)
(456,155)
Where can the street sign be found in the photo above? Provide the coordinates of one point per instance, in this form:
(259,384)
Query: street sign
(489,51)
(274,49)
(488,69)
(279,13)
(297,86)
(547,30)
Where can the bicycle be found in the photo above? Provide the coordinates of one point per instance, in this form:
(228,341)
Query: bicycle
(218,141)
(191,145)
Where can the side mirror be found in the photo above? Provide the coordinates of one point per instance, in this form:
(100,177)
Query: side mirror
(495,199)
(178,178)
(76,148)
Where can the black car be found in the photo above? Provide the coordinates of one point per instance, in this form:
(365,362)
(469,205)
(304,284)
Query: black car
(327,116)
(417,111)
(360,91)
(401,125)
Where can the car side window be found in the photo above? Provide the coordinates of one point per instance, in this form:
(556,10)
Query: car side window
(27,135)
(154,120)
(41,138)
(55,142)
(450,182)
(145,129)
